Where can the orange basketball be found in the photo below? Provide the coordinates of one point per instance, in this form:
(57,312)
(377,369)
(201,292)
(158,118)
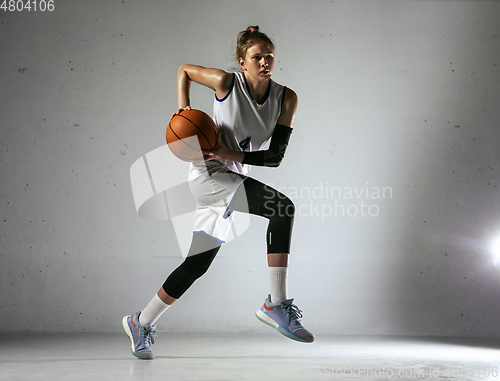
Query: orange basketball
(190,131)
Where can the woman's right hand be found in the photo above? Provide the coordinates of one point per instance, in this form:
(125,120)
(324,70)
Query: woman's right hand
(180,110)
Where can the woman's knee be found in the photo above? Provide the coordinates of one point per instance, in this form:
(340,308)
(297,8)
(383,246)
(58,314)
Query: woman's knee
(278,207)
(186,274)
(198,264)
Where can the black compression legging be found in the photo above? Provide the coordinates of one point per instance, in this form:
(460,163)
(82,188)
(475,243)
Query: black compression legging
(259,199)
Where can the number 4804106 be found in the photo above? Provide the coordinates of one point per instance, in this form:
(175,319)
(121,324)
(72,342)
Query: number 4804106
(27,5)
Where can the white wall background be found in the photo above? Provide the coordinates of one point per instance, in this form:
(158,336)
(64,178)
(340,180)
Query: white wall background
(396,94)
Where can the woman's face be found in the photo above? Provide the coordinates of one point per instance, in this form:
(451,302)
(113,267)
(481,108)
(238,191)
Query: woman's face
(259,61)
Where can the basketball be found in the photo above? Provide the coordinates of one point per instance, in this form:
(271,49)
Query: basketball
(189,132)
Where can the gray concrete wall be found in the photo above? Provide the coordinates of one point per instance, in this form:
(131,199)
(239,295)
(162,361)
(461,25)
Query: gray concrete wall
(393,164)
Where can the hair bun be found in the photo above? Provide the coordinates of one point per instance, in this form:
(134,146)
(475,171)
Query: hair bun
(248,37)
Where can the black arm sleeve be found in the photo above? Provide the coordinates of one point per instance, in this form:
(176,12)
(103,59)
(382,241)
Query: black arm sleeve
(273,156)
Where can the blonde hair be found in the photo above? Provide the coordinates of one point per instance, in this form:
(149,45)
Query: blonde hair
(249,37)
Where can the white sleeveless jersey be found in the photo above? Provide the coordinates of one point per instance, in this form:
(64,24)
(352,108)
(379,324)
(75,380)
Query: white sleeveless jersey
(246,125)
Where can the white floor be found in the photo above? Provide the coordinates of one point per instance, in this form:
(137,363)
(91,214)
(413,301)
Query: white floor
(233,357)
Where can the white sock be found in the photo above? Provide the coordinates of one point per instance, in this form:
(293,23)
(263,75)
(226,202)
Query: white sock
(277,276)
(153,311)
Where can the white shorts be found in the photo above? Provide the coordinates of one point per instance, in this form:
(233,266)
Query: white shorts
(214,186)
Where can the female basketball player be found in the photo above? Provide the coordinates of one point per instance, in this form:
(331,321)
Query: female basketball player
(249,109)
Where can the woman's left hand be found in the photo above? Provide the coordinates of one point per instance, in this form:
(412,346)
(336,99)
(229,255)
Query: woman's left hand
(222,152)
(217,152)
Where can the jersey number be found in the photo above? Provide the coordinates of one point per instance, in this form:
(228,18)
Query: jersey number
(245,143)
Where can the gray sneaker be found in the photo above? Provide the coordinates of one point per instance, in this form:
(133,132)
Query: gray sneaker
(285,317)
(141,337)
